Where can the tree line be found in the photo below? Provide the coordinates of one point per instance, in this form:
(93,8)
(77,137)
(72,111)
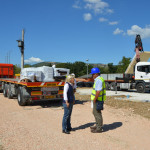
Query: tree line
(80,68)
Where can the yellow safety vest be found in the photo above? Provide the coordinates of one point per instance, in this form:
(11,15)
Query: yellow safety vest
(102,95)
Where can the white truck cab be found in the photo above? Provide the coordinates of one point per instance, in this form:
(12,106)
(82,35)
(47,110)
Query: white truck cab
(142,76)
(142,71)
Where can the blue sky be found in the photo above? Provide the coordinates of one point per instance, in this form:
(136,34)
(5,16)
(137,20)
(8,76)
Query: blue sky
(102,31)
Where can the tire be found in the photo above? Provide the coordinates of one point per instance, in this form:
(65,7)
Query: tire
(88,84)
(113,86)
(107,86)
(140,88)
(80,84)
(5,90)
(9,93)
(21,99)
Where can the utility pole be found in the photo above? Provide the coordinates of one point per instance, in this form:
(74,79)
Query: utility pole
(21,46)
(87,67)
(22,51)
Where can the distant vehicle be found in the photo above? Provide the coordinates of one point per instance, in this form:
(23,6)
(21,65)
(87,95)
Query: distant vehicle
(6,70)
(140,80)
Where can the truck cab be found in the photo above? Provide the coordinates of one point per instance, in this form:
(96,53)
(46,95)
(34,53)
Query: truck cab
(142,71)
(142,76)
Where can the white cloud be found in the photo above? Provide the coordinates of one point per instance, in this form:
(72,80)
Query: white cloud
(103,19)
(33,60)
(113,23)
(76,4)
(98,6)
(110,11)
(118,31)
(87,17)
(135,29)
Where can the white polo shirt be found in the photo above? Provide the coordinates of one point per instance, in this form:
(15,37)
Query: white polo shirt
(98,84)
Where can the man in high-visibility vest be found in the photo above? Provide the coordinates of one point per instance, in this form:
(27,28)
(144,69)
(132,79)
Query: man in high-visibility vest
(98,97)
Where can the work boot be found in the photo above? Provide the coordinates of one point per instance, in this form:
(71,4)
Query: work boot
(93,127)
(96,131)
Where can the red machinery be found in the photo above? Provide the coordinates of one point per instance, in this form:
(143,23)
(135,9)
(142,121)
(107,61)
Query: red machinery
(138,47)
(6,70)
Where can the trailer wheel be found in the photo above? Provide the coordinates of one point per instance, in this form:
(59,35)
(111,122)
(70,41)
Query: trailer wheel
(9,93)
(107,86)
(5,90)
(140,88)
(113,86)
(88,84)
(80,84)
(21,99)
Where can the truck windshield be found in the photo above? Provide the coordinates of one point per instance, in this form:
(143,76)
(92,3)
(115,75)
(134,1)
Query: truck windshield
(145,68)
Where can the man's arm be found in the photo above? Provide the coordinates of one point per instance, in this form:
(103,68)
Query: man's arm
(96,96)
(98,88)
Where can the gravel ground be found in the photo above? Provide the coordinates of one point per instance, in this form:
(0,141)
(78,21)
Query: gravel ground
(138,103)
(38,127)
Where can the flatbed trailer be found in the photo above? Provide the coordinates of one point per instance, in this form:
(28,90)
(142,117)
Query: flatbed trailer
(27,92)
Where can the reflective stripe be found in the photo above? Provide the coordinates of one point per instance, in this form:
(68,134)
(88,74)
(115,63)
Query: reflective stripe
(99,95)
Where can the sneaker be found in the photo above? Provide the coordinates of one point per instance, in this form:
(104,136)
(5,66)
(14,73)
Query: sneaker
(66,132)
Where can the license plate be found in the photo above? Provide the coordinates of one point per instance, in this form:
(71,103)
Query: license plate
(49,89)
(50,97)
(36,93)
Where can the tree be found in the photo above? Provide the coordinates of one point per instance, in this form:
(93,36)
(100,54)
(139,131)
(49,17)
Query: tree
(17,69)
(79,68)
(112,68)
(27,66)
(123,64)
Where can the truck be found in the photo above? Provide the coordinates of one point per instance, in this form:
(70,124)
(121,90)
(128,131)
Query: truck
(48,85)
(140,80)
(136,76)
(6,71)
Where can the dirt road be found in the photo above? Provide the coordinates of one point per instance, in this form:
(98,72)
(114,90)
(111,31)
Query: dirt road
(38,127)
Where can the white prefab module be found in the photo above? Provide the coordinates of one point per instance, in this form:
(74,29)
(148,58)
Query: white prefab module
(43,74)
(61,72)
